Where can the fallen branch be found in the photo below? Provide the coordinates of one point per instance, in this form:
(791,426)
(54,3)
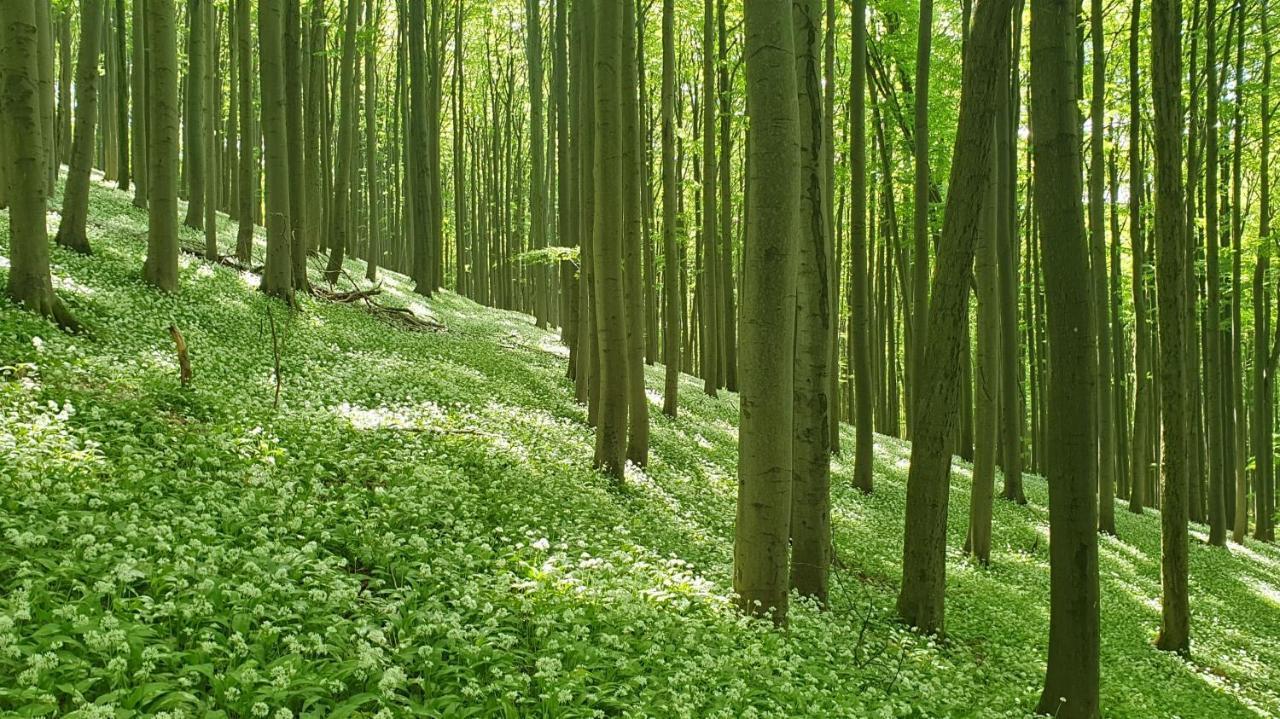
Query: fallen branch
(403,316)
(184,360)
(224,260)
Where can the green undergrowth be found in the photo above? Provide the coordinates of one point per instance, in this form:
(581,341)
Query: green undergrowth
(415,530)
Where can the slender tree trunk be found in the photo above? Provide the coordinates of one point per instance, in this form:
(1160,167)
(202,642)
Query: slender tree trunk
(673,313)
(921,601)
(301,225)
(859,289)
(75,195)
(633,253)
(248,180)
(122,98)
(340,226)
(1214,351)
(371,165)
(987,374)
(1141,445)
(762,533)
(138,86)
(920,219)
(1171,234)
(707,276)
(1098,275)
(1263,369)
(537,189)
(193,125)
(1071,682)
(811,452)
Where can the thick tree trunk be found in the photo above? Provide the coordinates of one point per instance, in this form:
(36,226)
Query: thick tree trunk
(611,326)
(920,222)
(762,530)
(277,277)
(75,195)
(161,266)
(24,140)
(1071,682)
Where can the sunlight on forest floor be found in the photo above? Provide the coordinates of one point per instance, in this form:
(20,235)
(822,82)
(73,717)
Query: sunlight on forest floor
(416,527)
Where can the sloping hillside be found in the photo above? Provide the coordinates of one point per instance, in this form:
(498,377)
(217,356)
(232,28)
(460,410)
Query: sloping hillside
(415,530)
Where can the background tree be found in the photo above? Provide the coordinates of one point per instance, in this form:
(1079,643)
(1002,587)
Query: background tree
(75,196)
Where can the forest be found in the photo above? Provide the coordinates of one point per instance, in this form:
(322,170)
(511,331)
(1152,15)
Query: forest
(671,358)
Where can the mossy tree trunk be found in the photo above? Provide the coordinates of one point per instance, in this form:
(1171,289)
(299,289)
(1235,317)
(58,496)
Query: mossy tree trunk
(860,300)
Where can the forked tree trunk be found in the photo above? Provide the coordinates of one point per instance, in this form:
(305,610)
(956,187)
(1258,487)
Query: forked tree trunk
(921,601)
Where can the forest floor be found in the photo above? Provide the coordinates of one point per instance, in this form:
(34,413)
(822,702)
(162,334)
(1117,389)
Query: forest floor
(415,530)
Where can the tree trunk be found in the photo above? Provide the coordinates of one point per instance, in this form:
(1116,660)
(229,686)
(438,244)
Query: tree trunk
(277,277)
(811,451)
(670,263)
(860,304)
(1213,334)
(1071,682)
(1171,234)
(161,266)
(193,125)
(633,253)
(921,602)
(339,228)
(29,284)
(138,86)
(75,195)
(248,180)
(1142,412)
(920,219)
(761,537)
(611,325)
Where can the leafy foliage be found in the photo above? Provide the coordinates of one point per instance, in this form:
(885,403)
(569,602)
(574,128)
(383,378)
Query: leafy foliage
(416,531)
